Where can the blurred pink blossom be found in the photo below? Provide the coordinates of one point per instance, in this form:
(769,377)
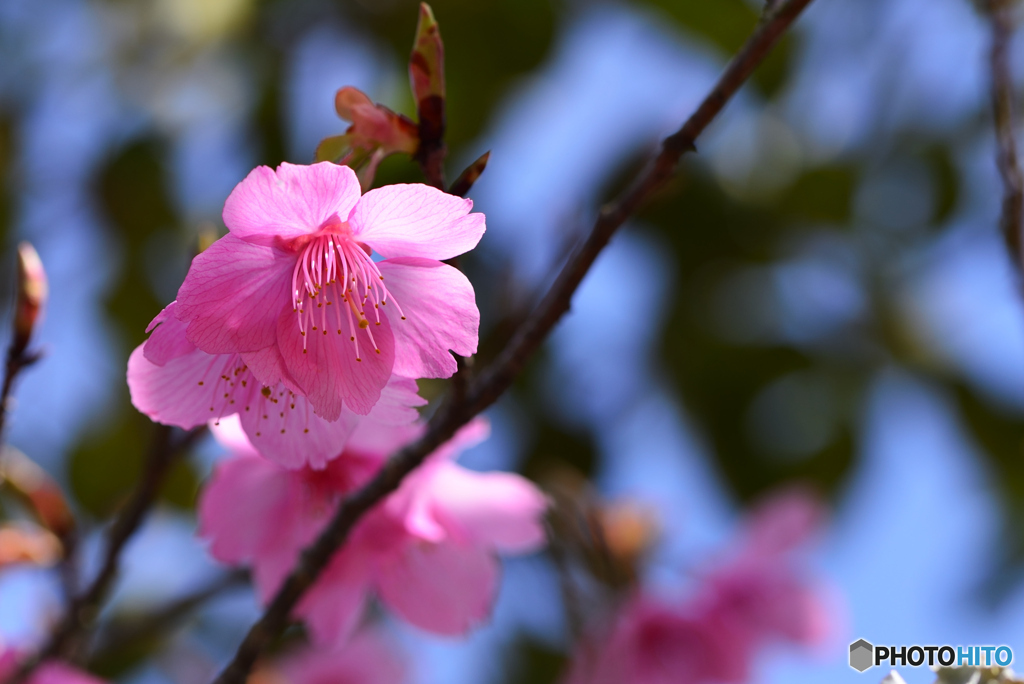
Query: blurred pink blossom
(293,289)
(755,598)
(367,659)
(51,672)
(428,551)
(173,382)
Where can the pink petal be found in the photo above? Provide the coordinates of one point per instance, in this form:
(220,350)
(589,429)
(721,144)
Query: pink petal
(398,402)
(440,315)
(783,521)
(289,433)
(230,434)
(290,202)
(55,672)
(269,368)
(327,370)
(469,435)
(333,606)
(367,659)
(168,340)
(171,393)
(417,221)
(501,511)
(444,588)
(390,425)
(246,502)
(412,507)
(190,390)
(233,295)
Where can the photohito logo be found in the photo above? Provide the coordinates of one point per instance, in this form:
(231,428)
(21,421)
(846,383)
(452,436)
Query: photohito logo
(864,655)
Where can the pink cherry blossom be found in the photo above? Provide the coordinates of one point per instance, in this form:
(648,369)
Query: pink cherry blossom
(49,672)
(656,643)
(367,659)
(175,383)
(294,280)
(755,598)
(428,551)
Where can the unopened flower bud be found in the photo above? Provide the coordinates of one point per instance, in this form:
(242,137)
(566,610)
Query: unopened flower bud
(426,71)
(32,293)
(464,182)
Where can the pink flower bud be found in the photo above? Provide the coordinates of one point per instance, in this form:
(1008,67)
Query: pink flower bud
(426,71)
(32,292)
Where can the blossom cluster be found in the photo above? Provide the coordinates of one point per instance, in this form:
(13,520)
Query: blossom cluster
(299,336)
(752,599)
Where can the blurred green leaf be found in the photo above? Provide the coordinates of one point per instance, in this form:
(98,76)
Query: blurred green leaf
(105,466)
(823,194)
(946,179)
(999,431)
(133,191)
(535,664)
(719,380)
(553,445)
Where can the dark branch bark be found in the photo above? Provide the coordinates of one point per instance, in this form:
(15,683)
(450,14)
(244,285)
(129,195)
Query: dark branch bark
(498,376)
(1001,17)
(17,361)
(84,608)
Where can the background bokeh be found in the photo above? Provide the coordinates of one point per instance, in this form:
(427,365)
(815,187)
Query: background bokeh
(821,296)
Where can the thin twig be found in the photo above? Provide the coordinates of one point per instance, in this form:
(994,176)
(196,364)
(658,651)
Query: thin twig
(1001,17)
(498,376)
(84,608)
(119,637)
(17,361)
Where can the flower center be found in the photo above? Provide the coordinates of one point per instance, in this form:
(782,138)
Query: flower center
(337,286)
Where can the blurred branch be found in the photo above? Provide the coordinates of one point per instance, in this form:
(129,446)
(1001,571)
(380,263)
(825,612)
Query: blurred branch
(16,362)
(487,386)
(121,635)
(460,187)
(86,606)
(1012,218)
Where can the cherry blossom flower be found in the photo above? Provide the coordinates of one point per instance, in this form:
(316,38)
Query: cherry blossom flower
(755,598)
(294,285)
(50,672)
(656,643)
(367,659)
(175,383)
(428,551)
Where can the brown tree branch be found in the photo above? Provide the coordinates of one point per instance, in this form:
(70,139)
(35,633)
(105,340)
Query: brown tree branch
(17,361)
(86,606)
(498,376)
(1012,217)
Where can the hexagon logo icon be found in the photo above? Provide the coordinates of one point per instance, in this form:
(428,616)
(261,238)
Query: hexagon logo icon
(861,655)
